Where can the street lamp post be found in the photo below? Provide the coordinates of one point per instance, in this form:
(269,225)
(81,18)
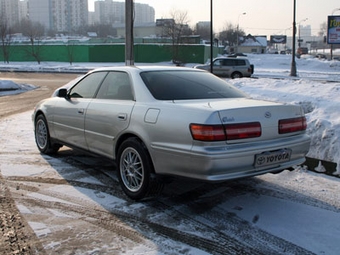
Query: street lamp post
(211,37)
(293,65)
(129,53)
(238,24)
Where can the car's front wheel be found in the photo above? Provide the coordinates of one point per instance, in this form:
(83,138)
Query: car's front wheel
(134,168)
(42,136)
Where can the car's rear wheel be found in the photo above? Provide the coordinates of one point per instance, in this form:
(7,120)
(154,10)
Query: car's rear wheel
(134,169)
(236,75)
(42,136)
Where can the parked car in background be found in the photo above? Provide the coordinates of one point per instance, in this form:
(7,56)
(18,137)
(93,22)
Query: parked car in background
(237,54)
(233,67)
(170,121)
(302,50)
(321,56)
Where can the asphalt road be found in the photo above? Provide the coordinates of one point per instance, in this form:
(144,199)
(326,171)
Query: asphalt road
(16,235)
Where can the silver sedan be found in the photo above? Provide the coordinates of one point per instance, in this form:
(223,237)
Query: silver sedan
(176,121)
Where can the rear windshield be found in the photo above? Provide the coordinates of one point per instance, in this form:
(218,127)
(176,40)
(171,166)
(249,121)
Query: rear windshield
(184,85)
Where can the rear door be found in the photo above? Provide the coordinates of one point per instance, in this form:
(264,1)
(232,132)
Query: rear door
(109,113)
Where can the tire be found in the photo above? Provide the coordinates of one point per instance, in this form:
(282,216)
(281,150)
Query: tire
(42,136)
(134,169)
(236,75)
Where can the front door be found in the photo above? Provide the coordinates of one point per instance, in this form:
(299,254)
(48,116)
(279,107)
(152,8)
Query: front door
(69,112)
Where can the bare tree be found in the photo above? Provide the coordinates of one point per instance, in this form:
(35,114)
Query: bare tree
(34,31)
(5,37)
(70,51)
(176,28)
(230,34)
(323,29)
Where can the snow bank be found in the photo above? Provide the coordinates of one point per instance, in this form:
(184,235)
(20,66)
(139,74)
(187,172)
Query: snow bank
(10,88)
(320,101)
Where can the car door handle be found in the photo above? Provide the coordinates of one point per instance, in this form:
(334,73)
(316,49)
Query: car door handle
(122,116)
(81,111)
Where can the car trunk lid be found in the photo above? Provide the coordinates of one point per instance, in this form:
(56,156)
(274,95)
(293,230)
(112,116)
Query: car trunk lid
(247,120)
(271,116)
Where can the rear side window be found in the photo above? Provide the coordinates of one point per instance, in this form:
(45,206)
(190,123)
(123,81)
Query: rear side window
(234,62)
(116,86)
(240,62)
(186,85)
(229,62)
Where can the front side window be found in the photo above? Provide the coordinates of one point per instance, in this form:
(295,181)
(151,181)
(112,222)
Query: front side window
(186,85)
(88,86)
(218,62)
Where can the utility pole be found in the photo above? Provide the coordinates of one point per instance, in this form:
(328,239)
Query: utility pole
(129,54)
(211,37)
(293,65)
(238,29)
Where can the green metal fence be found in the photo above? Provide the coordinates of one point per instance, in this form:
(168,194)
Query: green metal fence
(144,53)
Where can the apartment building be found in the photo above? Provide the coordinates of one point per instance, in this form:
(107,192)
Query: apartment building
(67,16)
(112,12)
(59,15)
(23,9)
(9,11)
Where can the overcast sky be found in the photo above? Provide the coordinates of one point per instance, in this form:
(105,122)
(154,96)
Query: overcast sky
(263,17)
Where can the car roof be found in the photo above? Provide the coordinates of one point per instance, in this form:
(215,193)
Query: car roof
(236,57)
(145,68)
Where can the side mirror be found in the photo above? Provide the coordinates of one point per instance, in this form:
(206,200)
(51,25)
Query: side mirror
(62,93)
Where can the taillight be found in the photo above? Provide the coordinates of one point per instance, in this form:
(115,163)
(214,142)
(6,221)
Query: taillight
(225,132)
(243,130)
(207,132)
(292,125)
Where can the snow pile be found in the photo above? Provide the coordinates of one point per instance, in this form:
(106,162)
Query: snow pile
(10,88)
(9,85)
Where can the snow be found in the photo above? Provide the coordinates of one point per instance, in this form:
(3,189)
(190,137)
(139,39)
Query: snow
(10,88)
(316,89)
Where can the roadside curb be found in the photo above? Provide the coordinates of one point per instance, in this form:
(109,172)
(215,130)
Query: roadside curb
(47,70)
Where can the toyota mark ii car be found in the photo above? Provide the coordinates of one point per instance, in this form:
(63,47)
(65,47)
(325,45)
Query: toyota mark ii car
(156,121)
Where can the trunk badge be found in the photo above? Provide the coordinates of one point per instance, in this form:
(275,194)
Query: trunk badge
(267,115)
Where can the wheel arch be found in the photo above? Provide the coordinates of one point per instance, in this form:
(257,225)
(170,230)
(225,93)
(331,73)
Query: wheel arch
(37,113)
(126,136)
(51,145)
(233,74)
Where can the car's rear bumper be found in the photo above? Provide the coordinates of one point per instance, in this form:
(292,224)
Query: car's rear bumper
(229,161)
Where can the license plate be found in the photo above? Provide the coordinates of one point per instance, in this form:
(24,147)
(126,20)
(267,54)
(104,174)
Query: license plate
(272,157)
